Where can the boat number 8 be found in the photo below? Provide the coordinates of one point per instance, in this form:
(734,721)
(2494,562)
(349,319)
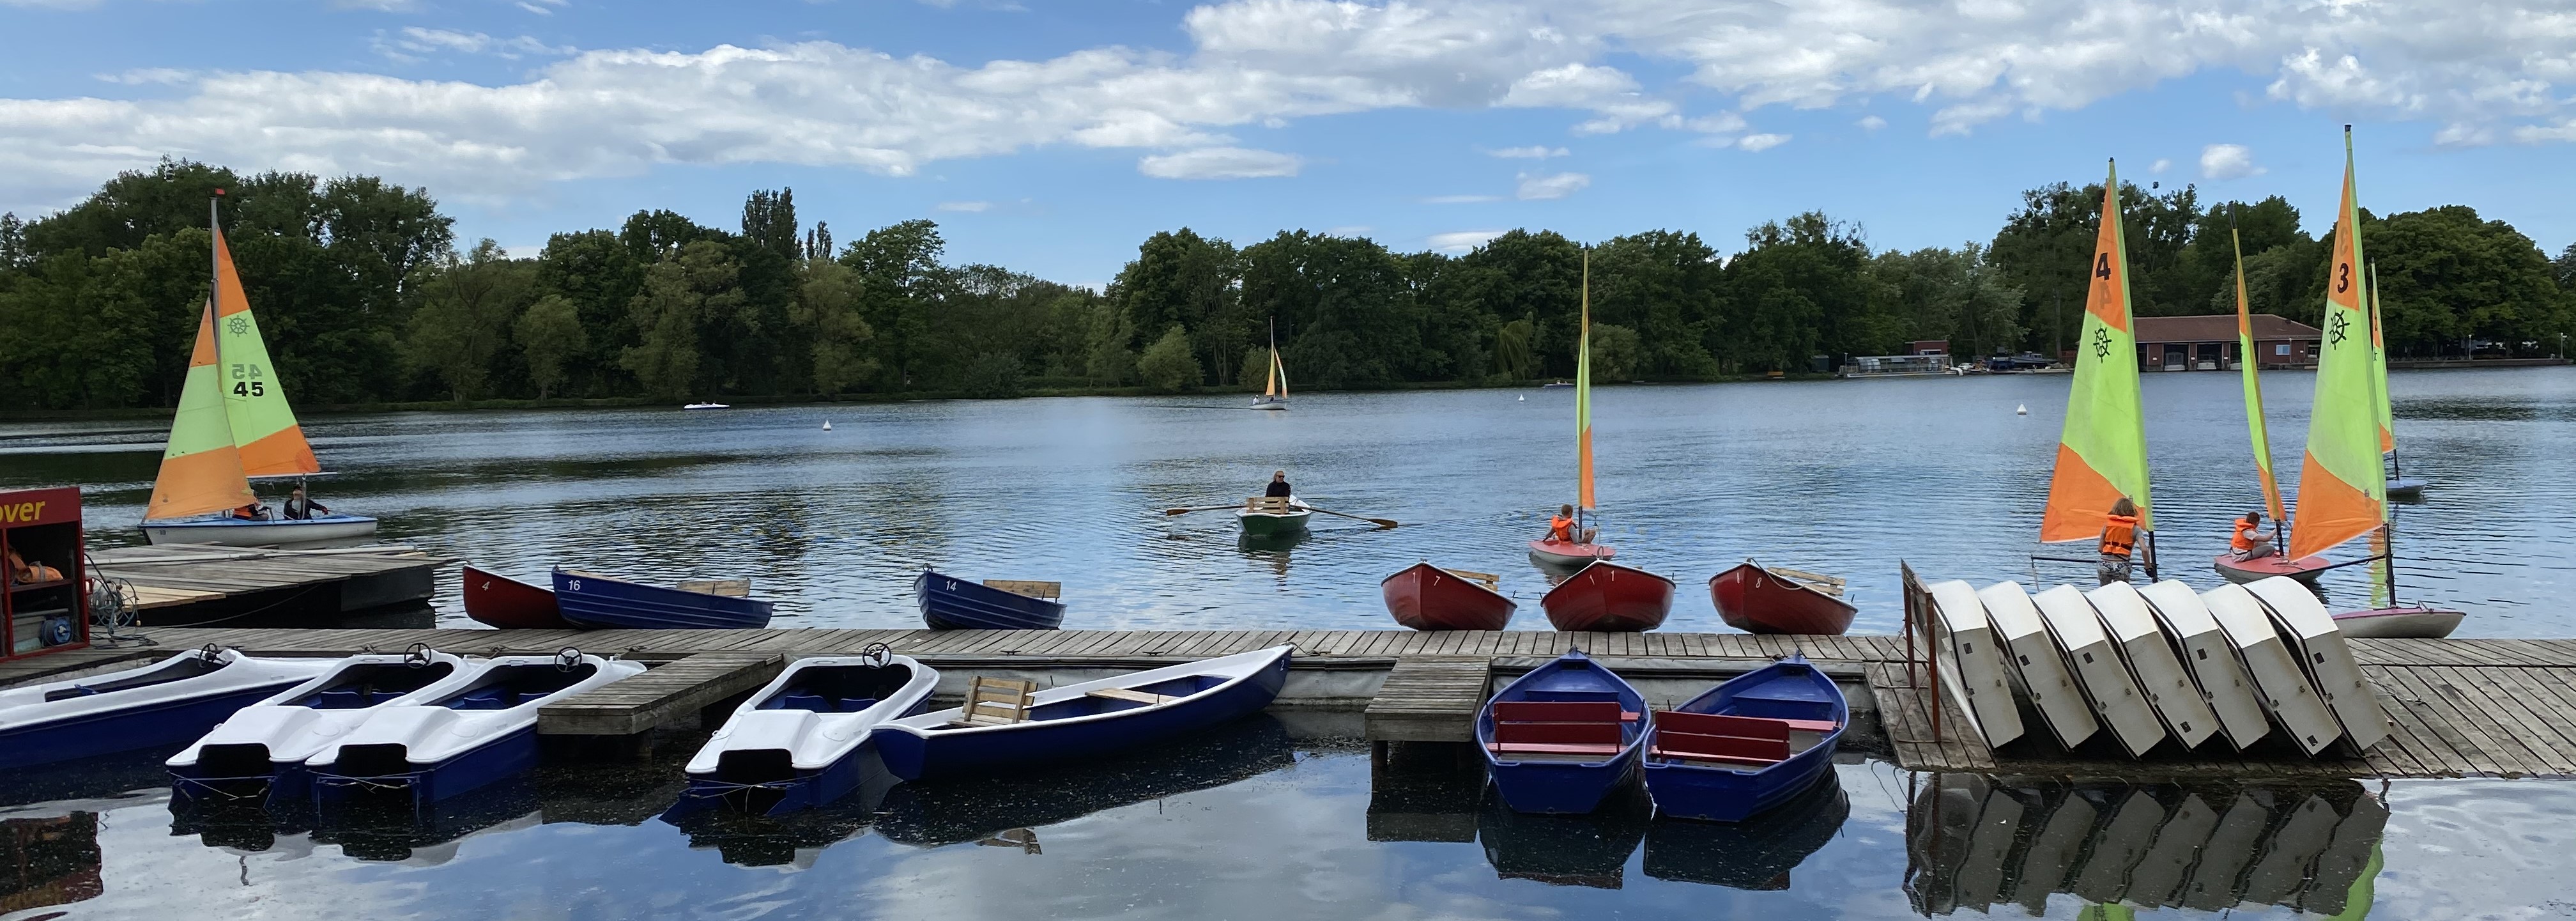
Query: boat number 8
(250,389)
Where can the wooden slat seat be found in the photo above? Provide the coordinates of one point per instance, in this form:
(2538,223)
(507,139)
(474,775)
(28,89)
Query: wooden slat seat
(1045,591)
(1720,738)
(1272,505)
(1535,727)
(996,701)
(1142,697)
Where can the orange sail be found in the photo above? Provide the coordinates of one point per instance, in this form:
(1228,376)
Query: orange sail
(2343,491)
(264,427)
(201,471)
(2102,453)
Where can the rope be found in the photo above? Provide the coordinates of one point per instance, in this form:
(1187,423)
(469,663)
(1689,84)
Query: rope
(207,784)
(386,782)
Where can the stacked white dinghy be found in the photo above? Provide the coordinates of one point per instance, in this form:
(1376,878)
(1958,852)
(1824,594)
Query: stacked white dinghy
(2293,702)
(2035,659)
(261,748)
(2212,660)
(1971,661)
(2097,665)
(2151,661)
(162,704)
(2325,656)
(796,743)
(466,736)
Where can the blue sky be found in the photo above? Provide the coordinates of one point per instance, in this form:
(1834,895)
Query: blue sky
(1052,137)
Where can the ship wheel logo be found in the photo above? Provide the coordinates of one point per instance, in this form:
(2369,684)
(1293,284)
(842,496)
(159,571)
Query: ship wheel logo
(238,325)
(2101,343)
(2338,328)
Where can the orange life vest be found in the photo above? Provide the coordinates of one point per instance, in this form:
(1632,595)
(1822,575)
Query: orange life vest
(2119,535)
(1560,529)
(2239,541)
(248,512)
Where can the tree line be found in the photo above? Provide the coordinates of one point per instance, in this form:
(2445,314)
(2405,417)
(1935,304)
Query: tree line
(366,296)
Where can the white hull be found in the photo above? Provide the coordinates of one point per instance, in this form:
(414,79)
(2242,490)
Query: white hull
(2294,703)
(1972,662)
(2327,657)
(813,740)
(433,733)
(2151,661)
(2401,624)
(1270,403)
(234,532)
(1234,669)
(144,688)
(2041,668)
(2098,668)
(290,729)
(2212,660)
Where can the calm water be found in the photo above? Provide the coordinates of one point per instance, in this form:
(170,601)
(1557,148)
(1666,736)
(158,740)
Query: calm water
(1847,478)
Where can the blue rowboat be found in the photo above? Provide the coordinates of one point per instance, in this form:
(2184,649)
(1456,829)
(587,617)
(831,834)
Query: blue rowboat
(1087,720)
(466,737)
(158,706)
(595,602)
(951,603)
(797,743)
(1563,737)
(1746,745)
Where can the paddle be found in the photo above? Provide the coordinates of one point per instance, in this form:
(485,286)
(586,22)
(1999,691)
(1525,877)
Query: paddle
(1204,508)
(1380,522)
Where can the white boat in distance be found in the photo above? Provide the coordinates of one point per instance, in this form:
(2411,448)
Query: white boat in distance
(712,406)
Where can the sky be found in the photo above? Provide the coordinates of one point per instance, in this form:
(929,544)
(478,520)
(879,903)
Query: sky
(1052,137)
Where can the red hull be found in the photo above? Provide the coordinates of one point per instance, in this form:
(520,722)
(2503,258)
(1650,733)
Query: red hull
(1754,600)
(2304,569)
(510,604)
(1562,553)
(1425,597)
(1610,598)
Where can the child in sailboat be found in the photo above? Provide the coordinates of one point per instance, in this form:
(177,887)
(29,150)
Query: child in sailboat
(2251,540)
(1561,528)
(2119,538)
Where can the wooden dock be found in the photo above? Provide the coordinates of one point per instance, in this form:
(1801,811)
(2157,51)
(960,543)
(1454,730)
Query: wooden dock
(177,584)
(2461,707)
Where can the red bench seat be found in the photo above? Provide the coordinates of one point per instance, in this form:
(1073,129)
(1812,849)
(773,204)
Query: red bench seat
(1532,727)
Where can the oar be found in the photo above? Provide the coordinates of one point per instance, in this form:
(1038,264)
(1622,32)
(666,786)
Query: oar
(1203,508)
(1380,522)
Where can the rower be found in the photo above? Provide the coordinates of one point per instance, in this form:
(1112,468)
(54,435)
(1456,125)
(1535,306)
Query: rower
(2251,541)
(1279,488)
(2119,537)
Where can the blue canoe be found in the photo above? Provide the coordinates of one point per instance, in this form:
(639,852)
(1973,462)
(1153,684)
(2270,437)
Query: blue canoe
(1563,737)
(593,601)
(1090,720)
(951,603)
(1746,745)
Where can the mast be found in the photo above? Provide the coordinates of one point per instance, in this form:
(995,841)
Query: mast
(1583,392)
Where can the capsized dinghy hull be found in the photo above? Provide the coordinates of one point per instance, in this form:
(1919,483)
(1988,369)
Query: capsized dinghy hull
(2095,661)
(2327,658)
(2214,666)
(1972,662)
(2287,693)
(2151,661)
(2036,660)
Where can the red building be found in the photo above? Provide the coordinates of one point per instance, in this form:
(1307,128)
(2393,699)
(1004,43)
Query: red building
(2208,343)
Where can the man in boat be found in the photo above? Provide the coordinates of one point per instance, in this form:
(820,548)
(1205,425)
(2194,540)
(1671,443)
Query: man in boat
(300,507)
(2119,538)
(1279,488)
(1561,528)
(2251,541)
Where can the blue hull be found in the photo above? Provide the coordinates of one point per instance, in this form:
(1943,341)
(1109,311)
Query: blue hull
(500,759)
(915,757)
(598,602)
(1557,786)
(1788,689)
(950,603)
(285,784)
(169,725)
(806,790)
(1562,788)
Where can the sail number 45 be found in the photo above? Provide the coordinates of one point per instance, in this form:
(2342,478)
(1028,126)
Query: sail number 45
(250,389)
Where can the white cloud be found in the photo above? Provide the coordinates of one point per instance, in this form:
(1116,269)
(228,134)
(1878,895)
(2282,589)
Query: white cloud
(2160,166)
(381,6)
(413,41)
(1460,199)
(2227,161)
(969,207)
(1871,123)
(1219,163)
(1761,142)
(1543,188)
(1462,240)
(1537,152)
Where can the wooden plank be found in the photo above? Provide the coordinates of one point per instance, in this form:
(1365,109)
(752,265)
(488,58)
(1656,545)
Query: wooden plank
(2506,701)
(664,694)
(2522,751)
(2430,747)
(2468,749)
(2523,696)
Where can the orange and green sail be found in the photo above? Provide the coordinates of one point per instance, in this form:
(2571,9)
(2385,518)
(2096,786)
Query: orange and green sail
(201,471)
(2102,453)
(2379,367)
(2247,361)
(2343,491)
(263,426)
(1583,391)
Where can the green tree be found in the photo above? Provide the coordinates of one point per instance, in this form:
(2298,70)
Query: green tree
(2448,276)
(827,308)
(464,318)
(1616,351)
(681,293)
(1181,277)
(901,287)
(1168,364)
(550,336)
(1796,291)
(1512,354)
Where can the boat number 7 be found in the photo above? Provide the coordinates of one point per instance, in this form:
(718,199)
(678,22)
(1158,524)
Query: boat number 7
(250,389)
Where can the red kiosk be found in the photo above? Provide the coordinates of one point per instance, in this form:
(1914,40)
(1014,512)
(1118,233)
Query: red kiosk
(42,608)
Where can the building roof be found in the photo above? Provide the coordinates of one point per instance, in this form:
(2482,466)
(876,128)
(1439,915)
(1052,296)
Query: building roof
(2219,327)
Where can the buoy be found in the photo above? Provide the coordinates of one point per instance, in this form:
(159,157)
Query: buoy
(827,425)
(2022,410)
(1524,399)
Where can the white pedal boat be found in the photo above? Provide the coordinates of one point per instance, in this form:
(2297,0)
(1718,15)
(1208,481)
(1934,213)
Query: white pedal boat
(796,743)
(161,705)
(466,736)
(261,749)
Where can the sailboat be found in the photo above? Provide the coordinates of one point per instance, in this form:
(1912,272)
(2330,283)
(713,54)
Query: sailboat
(2102,452)
(2399,484)
(2390,618)
(233,424)
(1275,395)
(1601,596)
(2343,492)
(1576,552)
(2274,564)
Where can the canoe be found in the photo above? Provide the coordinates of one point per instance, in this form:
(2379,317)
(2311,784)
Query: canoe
(225,530)
(467,736)
(796,743)
(2036,661)
(2150,654)
(2304,569)
(2303,621)
(1609,598)
(1753,855)
(2405,622)
(260,750)
(1088,720)
(1746,745)
(950,603)
(2215,670)
(1971,659)
(497,600)
(1568,554)
(1426,597)
(592,601)
(2094,659)
(1757,600)
(2287,694)
(1562,737)
(162,705)
(1262,519)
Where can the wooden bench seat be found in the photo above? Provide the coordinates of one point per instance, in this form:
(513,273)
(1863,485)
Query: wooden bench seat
(1721,739)
(1141,697)
(1575,729)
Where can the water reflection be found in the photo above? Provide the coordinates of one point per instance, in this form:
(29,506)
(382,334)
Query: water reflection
(1974,842)
(935,813)
(48,861)
(1756,855)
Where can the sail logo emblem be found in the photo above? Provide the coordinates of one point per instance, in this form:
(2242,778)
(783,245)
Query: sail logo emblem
(2337,328)
(239,325)
(2101,343)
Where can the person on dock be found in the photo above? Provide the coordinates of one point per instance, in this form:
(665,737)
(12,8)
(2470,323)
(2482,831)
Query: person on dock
(2251,540)
(1561,528)
(2119,538)
(300,507)
(1279,488)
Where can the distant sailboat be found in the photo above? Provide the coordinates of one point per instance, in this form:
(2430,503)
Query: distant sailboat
(2399,484)
(2102,451)
(233,424)
(1275,395)
(2247,362)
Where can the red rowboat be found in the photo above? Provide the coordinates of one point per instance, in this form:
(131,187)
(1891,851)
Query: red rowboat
(1568,553)
(1758,600)
(1610,598)
(510,604)
(1426,597)
(2304,569)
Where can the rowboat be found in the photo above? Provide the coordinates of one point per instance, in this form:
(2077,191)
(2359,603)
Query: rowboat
(949,603)
(1262,516)
(1971,659)
(464,737)
(1568,554)
(1746,745)
(497,600)
(796,743)
(2403,622)
(1609,598)
(1562,737)
(163,704)
(260,750)
(2303,621)
(592,602)
(1427,597)
(1759,600)
(2286,692)
(2304,569)
(2143,644)
(1750,855)
(2040,666)
(2215,669)
(2095,661)
(1008,725)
